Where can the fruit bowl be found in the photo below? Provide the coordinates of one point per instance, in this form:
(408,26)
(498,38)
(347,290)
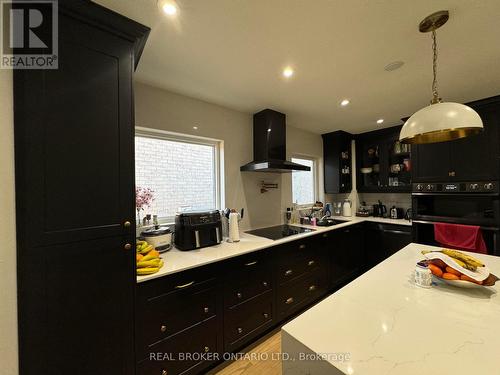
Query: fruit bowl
(490,281)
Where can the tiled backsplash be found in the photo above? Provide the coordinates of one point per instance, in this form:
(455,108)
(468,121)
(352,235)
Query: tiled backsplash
(388,199)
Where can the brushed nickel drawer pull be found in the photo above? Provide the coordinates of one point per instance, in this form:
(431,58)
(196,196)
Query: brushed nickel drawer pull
(184,285)
(205,310)
(206,349)
(288,272)
(264,283)
(127,246)
(266,315)
(163,328)
(240,330)
(310,263)
(312,288)
(127,224)
(251,263)
(239,295)
(164,372)
(303,246)
(289,300)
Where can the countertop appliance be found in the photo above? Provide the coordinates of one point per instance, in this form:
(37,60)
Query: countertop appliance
(469,203)
(269,145)
(197,229)
(347,208)
(279,231)
(159,237)
(397,213)
(379,210)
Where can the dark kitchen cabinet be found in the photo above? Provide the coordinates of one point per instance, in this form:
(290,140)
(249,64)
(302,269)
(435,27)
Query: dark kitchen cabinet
(383,164)
(383,240)
(337,162)
(346,254)
(74,145)
(473,158)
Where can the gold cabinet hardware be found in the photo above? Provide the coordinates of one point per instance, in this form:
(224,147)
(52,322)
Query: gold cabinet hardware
(289,300)
(251,263)
(302,246)
(264,283)
(184,285)
(127,246)
(288,272)
(310,263)
(205,310)
(206,349)
(239,295)
(164,372)
(240,330)
(312,288)
(127,224)
(266,315)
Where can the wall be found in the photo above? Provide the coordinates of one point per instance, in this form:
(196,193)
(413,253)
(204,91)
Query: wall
(160,109)
(8,288)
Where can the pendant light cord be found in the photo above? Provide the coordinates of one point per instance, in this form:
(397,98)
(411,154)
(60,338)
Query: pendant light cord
(435,95)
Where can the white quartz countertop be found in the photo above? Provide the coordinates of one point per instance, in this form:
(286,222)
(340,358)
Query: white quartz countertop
(388,325)
(177,261)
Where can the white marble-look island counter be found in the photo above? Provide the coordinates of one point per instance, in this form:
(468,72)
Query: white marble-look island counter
(381,323)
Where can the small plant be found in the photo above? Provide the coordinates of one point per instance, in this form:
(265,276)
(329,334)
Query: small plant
(143,198)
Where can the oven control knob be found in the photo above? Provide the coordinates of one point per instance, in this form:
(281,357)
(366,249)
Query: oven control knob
(420,187)
(430,187)
(488,186)
(474,186)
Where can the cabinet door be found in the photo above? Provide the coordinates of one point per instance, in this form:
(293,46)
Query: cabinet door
(75,139)
(476,158)
(346,256)
(394,238)
(431,162)
(383,240)
(76,309)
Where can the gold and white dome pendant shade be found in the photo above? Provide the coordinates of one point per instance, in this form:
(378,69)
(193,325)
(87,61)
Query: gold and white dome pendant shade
(440,121)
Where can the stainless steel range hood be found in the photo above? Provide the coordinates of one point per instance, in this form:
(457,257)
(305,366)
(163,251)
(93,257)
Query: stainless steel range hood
(269,145)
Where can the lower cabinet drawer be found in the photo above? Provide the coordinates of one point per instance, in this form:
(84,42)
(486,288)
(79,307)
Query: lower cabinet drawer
(247,320)
(188,352)
(163,316)
(296,265)
(300,292)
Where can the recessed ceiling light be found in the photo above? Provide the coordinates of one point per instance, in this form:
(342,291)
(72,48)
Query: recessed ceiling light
(393,65)
(345,102)
(168,7)
(380,120)
(287,72)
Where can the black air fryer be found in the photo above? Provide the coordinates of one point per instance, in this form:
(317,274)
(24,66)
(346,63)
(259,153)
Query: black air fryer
(194,230)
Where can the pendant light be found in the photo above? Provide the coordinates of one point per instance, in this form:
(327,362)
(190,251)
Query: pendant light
(439,122)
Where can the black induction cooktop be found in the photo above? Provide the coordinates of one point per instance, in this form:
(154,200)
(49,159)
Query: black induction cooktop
(279,231)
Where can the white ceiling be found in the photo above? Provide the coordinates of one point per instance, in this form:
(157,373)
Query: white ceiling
(232,52)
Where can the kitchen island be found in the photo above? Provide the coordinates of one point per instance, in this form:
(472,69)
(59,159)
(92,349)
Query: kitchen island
(381,323)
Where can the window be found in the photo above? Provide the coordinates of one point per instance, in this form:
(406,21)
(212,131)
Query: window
(183,172)
(304,183)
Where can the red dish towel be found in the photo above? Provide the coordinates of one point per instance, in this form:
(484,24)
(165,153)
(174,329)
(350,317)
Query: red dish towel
(461,237)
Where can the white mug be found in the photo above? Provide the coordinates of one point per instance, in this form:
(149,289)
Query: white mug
(423,275)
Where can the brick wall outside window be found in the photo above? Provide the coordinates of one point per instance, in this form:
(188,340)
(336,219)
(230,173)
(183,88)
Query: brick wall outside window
(182,175)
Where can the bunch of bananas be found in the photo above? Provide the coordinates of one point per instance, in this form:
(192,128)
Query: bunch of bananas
(148,259)
(466,261)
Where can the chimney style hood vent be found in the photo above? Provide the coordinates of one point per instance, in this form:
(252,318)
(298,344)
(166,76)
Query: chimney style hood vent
(269,144)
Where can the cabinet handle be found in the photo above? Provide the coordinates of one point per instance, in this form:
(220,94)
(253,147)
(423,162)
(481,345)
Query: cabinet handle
(205,310)
(127,246)
(240,330)
(289,300)
(251,263)
(312,288)
(239,295)
(264,283)
(127,224)
(206,349)
(164,372)
(310,263)
(184,285)
(451,174)
(288,272)
(163,328)
(303,246)
(266,315)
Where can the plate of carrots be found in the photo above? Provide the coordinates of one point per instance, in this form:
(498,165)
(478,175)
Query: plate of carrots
(459,269)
